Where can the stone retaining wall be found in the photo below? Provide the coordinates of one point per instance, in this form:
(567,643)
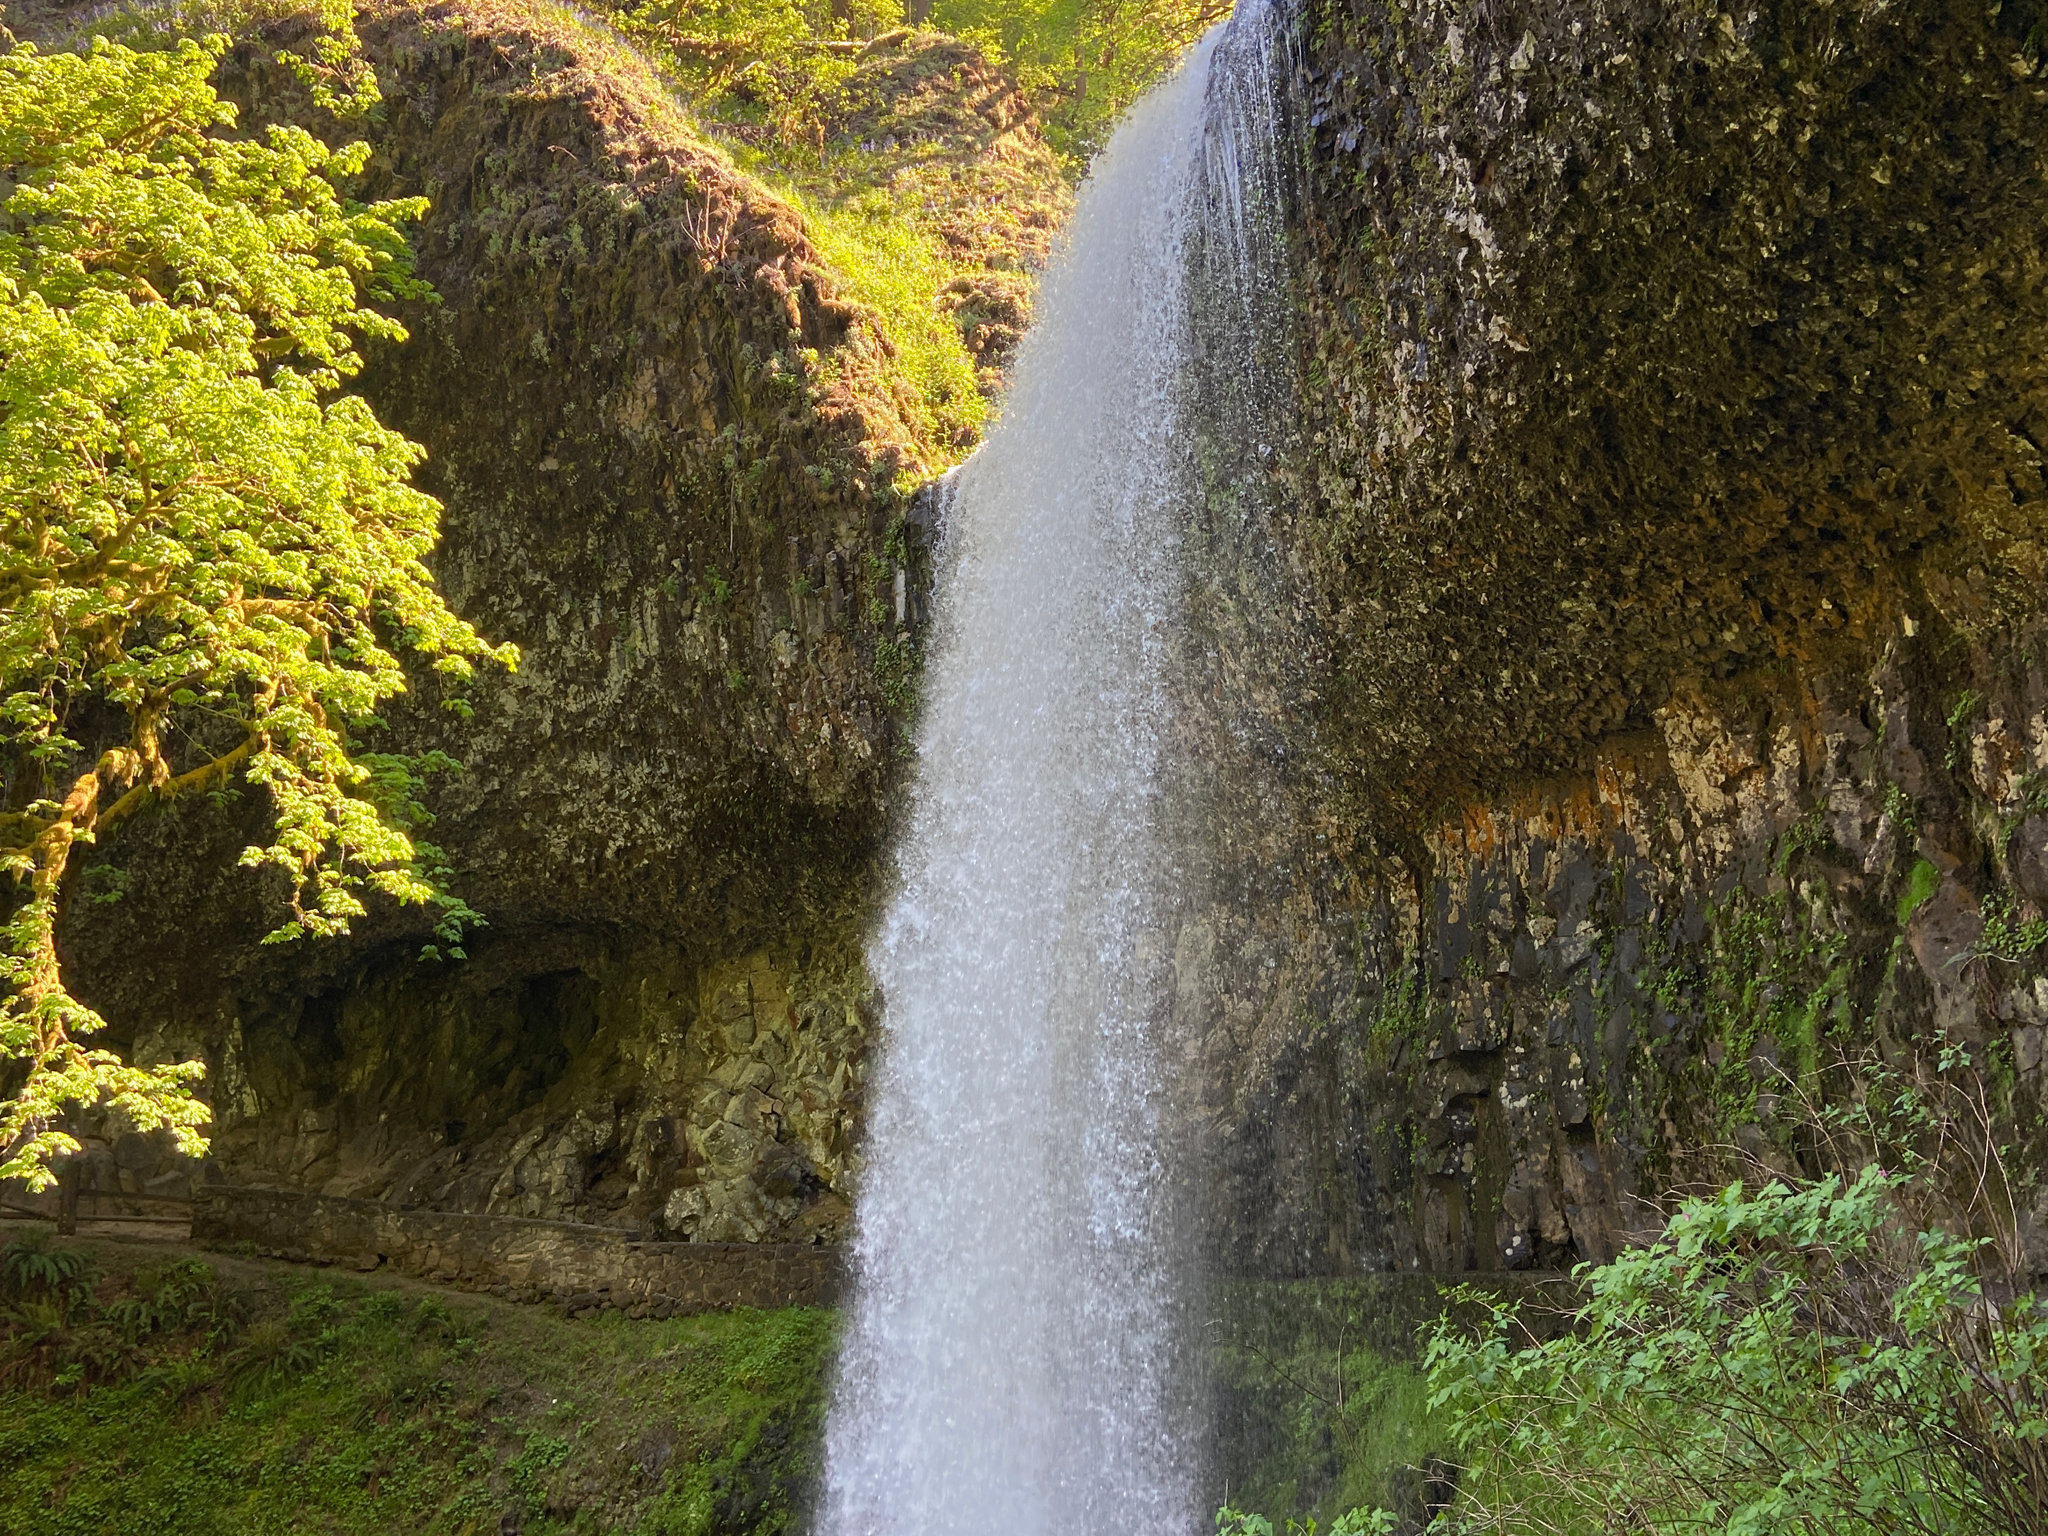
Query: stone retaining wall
(585,1268)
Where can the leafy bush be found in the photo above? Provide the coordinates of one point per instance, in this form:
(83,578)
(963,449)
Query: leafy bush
(30,1267)
(58,1330)
(1839,1353)
(1786,1358)
(176,1298)
(1768,1363)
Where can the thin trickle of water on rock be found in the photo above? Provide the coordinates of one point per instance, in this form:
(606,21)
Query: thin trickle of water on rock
(1017,1355)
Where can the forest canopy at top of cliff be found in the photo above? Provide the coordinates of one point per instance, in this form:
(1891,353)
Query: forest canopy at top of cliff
(784,64)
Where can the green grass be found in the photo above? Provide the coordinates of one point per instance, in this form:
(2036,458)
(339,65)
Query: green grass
(895,267)
(356,1406)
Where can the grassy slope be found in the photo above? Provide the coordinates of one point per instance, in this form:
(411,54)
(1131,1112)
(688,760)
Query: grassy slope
(921,171)
(372,1405)
(932,183)
(345,1404)
(928,181)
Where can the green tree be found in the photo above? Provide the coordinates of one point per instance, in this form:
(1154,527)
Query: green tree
(209,555)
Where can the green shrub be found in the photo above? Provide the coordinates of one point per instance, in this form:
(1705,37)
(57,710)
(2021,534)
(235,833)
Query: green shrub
(1836,1354)
(32,1269)
(1773,1362)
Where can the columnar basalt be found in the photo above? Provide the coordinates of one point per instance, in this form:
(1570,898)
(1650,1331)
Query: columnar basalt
(1653,343)
(678,468)
(1666,534)
(1593,982)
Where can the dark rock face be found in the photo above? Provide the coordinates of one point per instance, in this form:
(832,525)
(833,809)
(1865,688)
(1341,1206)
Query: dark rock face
(1629,685)
(1505,1057)
(1667,532)
(1660,344)
(677,472)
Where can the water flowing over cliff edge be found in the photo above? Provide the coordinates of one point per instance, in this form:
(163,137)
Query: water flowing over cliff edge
(1016,1351)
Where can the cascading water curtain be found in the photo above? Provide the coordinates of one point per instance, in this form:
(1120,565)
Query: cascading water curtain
(1017,1356)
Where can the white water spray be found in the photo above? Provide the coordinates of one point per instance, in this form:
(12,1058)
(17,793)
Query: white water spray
(1017,1360)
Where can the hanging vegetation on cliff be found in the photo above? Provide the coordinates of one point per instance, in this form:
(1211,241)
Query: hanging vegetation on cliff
(787,66)
(1087,61)
(932,167)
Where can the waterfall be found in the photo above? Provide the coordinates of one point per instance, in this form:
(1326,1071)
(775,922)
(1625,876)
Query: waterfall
(1018,1350)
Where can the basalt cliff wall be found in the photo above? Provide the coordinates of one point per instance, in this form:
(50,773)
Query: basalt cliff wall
(1622,692)
(1665,543)
(678,467)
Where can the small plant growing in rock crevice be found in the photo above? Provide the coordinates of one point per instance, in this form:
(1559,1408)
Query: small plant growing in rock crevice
(2008,935)
(898,666)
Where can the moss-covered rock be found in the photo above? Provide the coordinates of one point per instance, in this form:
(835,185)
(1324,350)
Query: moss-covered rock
(1666,534)
(678,466)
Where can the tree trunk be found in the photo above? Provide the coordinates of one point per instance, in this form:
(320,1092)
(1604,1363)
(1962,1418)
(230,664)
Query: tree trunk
(68,1181)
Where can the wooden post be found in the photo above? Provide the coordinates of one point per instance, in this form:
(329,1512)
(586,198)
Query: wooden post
(69,1177)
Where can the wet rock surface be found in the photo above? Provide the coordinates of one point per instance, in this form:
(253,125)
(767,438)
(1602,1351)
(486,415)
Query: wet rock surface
(1593,993)
(1661,549)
